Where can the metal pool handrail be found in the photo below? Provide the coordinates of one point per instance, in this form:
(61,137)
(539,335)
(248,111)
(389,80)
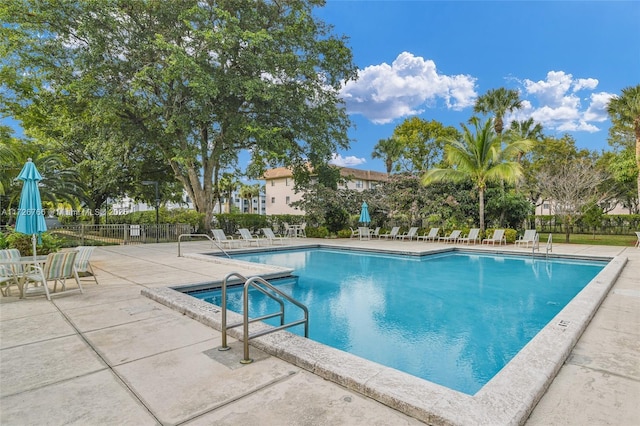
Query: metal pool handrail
(213,242)
(257,283)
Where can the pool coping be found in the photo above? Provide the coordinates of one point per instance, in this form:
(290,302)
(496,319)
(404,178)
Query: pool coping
(508,398)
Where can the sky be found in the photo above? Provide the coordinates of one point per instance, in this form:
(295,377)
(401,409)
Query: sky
(432,59)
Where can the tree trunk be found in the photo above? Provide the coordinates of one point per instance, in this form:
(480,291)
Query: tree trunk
(481,197)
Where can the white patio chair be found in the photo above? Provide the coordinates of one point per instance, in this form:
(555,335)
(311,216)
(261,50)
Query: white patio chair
(474,235)
(410,234)
(529,237)
(497,237)
(221,238)
(9,272)
(452,237)
(248,238)
(272,237)
(392,234)
(364,233)
(432,235)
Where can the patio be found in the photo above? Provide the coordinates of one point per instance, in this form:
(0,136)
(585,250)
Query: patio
(113,356)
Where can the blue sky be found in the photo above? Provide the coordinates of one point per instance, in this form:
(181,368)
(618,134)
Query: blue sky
(434,58)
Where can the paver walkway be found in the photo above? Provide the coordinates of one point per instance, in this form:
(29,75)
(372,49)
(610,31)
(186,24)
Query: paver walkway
(112,356)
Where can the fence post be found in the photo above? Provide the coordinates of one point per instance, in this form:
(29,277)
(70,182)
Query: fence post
(82,234)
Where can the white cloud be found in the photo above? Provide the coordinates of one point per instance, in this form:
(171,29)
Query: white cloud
(410,84)
(349,161)
(555,104)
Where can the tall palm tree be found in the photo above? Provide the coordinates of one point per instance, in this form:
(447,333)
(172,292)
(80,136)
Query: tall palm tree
(624,111)
(388,150)
(499,102)
(227,185)
(479,157)
(249,192)
(524,130)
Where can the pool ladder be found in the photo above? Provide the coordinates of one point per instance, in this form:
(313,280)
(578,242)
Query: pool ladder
(268,290)
(536,245)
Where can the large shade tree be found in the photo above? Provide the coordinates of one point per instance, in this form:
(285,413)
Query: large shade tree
(624,111)
(479,157)
(197,81)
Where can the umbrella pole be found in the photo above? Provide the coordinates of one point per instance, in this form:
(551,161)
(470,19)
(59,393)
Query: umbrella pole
(33,240)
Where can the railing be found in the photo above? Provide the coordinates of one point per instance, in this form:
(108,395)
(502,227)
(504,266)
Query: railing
(213,242)
(121,233)
(549,244)
(268,290)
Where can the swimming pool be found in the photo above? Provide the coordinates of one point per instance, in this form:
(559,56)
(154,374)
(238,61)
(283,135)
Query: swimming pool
(453,318)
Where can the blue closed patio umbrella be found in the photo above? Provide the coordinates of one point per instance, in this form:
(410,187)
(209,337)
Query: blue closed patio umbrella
(364,214)
(30,217)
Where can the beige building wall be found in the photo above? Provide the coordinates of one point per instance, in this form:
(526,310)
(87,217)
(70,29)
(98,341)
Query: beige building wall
(279,187)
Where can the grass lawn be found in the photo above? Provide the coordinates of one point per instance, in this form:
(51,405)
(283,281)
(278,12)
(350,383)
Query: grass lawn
(598,239)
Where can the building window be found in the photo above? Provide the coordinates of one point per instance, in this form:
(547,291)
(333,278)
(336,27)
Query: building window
(286,181)
(273,183)
(288,200)
(273,200)
(359,184)
(545,206)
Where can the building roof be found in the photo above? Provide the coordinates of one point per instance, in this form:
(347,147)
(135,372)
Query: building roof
(347,172)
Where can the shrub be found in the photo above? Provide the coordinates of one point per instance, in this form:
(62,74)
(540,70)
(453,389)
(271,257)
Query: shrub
(23,242)
(319,232)
(344,233)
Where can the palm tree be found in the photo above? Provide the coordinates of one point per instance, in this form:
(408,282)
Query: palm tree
(498,102)
(227,185)
(388,150)
(479,157)
(624,111)
(249,192)
(525,130)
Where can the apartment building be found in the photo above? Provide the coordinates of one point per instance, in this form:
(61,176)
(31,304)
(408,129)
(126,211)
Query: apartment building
(279,185)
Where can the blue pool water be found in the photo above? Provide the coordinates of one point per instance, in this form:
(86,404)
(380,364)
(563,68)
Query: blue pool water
(454,319)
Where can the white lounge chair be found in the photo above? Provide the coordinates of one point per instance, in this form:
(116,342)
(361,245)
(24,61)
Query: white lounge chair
(221,238)
(248,238)
(375,232)
(497,237)
(452,237)
(270,236)
(392,234)
(411,234)
(355,233)
(638,242)
(82,261)
(530,237)
(432,235)
(474,235)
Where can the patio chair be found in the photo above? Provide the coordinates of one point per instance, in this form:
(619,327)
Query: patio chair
(355,233)
(474,235)
(375,232)
(364,233)
(392,234)
(432,235)
(638,242)
(82,261)
(221,238)
(9,272)
(452,237)
(57,268)
(411,234)
(272,237)
(248,238)
(497,237)
(530,237)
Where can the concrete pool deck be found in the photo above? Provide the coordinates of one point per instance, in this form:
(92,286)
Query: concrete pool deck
(113,356)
